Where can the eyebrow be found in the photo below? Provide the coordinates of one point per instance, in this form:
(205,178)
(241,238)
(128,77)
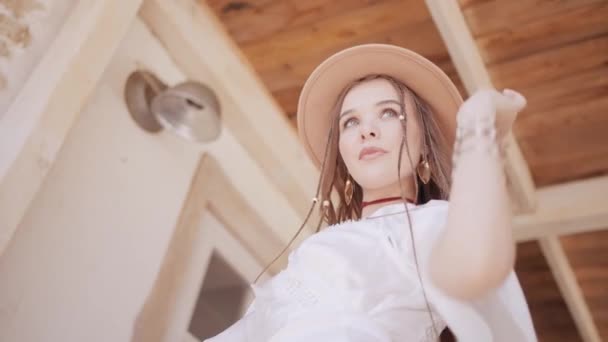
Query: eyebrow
(377,104)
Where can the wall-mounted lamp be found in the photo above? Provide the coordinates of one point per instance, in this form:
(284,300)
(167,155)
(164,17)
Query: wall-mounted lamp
(189,109)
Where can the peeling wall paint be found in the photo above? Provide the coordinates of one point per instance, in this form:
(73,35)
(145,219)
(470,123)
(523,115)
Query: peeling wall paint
(27,28)
(15,32)
(21,7)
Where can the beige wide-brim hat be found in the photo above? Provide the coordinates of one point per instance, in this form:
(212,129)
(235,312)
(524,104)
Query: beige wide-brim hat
(324,85)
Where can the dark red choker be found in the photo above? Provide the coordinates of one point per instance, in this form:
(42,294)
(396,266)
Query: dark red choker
(382,200)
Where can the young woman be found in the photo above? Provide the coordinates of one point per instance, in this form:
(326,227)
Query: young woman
(398,262)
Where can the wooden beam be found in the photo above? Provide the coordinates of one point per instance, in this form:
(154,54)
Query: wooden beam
(569,208)
(198,43)
(250,228)
(33,129)
(568,286)
(465,55)
(166,311)
(250,183)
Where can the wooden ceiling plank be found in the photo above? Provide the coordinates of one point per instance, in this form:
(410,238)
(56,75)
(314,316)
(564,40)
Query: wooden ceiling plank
(569,288)
(249,111)
(323,35)
(564,209)
(571,115)
(507,15)
(291,69)
(288,99)
(551,65)
(465,55)
(550,32)
(35,125)
(571,142)
(549,311)
(546,99)
(252,21)
(259,20)
(579,113)
(580,167)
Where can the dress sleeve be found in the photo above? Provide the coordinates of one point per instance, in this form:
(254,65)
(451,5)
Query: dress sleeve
(502,315)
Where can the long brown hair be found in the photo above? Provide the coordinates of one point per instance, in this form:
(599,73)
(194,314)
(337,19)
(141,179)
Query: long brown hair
(334,173)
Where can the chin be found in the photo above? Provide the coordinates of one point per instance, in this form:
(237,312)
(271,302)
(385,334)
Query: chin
(377,180)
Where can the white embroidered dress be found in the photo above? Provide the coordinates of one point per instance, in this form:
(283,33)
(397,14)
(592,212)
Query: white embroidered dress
(357,282)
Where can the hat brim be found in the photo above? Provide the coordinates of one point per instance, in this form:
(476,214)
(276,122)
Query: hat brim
(324,85)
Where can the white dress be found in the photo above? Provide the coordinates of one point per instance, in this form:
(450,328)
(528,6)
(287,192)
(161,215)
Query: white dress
(357,282)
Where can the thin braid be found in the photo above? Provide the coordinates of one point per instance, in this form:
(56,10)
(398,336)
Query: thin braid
(314,202)
(328,213)
(407,211)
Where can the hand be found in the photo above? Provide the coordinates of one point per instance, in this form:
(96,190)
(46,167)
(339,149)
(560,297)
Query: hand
(504,107)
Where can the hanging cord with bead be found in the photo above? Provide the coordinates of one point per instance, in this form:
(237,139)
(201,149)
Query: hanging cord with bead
(407,211)
(312,207)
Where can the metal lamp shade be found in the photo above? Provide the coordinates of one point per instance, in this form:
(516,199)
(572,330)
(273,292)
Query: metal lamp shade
(190,109)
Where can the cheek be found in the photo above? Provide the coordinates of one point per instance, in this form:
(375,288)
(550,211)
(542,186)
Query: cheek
(394,137)
(347,148)
(413,139)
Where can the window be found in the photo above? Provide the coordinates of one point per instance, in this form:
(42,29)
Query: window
(221,301)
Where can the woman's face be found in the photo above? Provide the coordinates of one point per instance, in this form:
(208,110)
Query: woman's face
(371,133)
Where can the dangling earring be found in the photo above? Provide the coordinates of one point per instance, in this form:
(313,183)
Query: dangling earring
(424,170)
(349,190)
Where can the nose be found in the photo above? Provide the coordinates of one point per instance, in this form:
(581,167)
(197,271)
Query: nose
(369,131)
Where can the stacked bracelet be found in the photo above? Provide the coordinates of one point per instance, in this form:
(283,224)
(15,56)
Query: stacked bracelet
(485,132)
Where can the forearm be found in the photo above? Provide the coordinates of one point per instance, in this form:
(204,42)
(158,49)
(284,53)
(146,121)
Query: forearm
(476,250)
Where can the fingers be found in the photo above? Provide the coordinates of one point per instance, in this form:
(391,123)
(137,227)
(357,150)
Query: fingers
(505,105)
(516,97)
(510,101)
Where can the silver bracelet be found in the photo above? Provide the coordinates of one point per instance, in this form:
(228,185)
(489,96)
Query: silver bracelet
(484,130)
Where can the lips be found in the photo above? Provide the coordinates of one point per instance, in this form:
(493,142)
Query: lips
(371,153)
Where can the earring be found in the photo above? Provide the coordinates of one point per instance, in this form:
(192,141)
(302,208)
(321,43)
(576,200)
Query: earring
(424,171)
(349,190)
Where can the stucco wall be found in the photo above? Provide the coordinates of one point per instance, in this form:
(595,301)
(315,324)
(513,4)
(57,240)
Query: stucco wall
(27,28)
(86,254)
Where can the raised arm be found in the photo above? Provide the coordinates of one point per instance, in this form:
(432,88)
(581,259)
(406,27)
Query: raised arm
(476,251)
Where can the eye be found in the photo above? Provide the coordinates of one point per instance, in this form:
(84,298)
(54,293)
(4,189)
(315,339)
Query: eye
(389,112)
(349,122)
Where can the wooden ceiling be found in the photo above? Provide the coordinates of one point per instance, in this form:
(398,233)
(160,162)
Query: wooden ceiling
(588,256)
(554,52)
